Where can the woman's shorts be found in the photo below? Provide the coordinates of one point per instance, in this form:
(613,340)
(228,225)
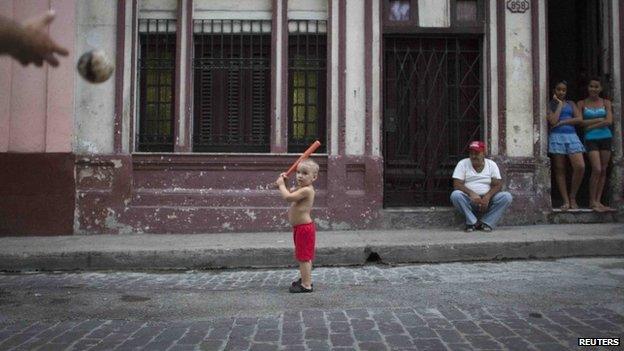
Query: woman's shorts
(564,144)
(598,144)
(304,236)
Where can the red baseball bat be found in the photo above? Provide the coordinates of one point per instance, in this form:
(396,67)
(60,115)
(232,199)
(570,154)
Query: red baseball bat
(305,155)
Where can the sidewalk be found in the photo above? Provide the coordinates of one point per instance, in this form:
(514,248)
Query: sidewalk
(244,250)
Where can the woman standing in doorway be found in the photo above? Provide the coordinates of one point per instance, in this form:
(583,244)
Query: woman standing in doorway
(564,143)
(597,117)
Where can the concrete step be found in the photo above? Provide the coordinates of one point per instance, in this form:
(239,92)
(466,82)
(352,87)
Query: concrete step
(420,217)
(445,217)
(582,215)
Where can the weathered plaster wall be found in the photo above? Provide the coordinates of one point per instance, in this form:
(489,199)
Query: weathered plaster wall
(542,127)
(376,88)
(227,9)
(617,173)
(434,13)
(158,8)
(355,125)
(333,102)
(519,85)
(36,103)
(493,82)
(126,120)
(181,138)
(280,29)
(306,9)
(95,103)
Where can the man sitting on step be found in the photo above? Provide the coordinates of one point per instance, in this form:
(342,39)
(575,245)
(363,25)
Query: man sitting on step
(477,195)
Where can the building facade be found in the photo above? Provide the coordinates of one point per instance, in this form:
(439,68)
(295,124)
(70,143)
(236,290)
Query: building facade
(212,99)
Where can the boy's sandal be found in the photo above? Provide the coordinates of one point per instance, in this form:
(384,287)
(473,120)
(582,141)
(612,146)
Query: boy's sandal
(298,288)
(298,281)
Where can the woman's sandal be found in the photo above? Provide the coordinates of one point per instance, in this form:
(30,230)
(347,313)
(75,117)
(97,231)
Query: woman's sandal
(564,207)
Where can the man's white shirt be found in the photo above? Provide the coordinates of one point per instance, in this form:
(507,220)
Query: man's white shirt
(479,182)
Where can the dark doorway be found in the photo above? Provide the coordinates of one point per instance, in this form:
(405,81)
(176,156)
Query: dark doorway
(576,53)
(432,110)
(575,43)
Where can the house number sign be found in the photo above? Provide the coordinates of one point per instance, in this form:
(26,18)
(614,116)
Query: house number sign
(518,6)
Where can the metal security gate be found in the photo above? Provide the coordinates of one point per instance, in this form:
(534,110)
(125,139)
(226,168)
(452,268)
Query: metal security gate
(432,109)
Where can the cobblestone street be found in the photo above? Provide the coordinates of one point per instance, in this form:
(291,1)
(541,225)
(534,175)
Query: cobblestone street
(520,305)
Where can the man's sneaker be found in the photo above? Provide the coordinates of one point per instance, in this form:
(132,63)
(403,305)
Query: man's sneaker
(486,228)
(469,228)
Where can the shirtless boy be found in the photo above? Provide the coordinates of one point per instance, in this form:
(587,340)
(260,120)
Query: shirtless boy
(304,231)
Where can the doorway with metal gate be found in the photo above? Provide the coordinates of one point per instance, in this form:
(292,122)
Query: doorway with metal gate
(432,110)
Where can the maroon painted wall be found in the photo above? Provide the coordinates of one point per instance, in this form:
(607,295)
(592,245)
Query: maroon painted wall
(195,193)
(37,194)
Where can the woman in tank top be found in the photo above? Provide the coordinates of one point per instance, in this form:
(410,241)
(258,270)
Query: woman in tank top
(564,143)
(597,118)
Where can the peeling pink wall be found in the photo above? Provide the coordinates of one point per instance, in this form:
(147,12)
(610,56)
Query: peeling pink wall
(37,103)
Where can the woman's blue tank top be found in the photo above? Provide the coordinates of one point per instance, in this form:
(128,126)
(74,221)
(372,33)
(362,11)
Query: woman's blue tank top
(596,133)
(566,113)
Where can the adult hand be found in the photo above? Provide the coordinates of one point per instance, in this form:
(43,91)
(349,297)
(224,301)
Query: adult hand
(556,98)
(485,203)
(476,199)
(33,45)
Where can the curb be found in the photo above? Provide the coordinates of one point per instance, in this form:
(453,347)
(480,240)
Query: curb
(239,258)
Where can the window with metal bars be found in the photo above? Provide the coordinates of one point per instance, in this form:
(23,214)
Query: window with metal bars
(156,61)
(307,76)
(232,67)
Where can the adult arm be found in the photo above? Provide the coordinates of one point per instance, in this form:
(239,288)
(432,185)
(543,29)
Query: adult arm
(28,43)
(587,122)
(607,121)
(458,184)
(577,119)
(553,116)
(495,187)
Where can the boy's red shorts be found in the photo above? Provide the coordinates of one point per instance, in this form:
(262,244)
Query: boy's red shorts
(304,236)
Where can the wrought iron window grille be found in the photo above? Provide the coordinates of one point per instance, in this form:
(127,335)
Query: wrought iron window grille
(156,71)
(307,77)
(231,68)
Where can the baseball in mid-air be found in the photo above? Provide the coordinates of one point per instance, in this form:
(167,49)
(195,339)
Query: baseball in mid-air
(95,66)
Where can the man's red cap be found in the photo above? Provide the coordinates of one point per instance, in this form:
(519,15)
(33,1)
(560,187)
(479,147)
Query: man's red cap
(477,146)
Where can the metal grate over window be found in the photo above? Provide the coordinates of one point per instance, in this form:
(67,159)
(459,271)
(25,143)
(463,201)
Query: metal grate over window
(307,75)
(157,48)
(232,66)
